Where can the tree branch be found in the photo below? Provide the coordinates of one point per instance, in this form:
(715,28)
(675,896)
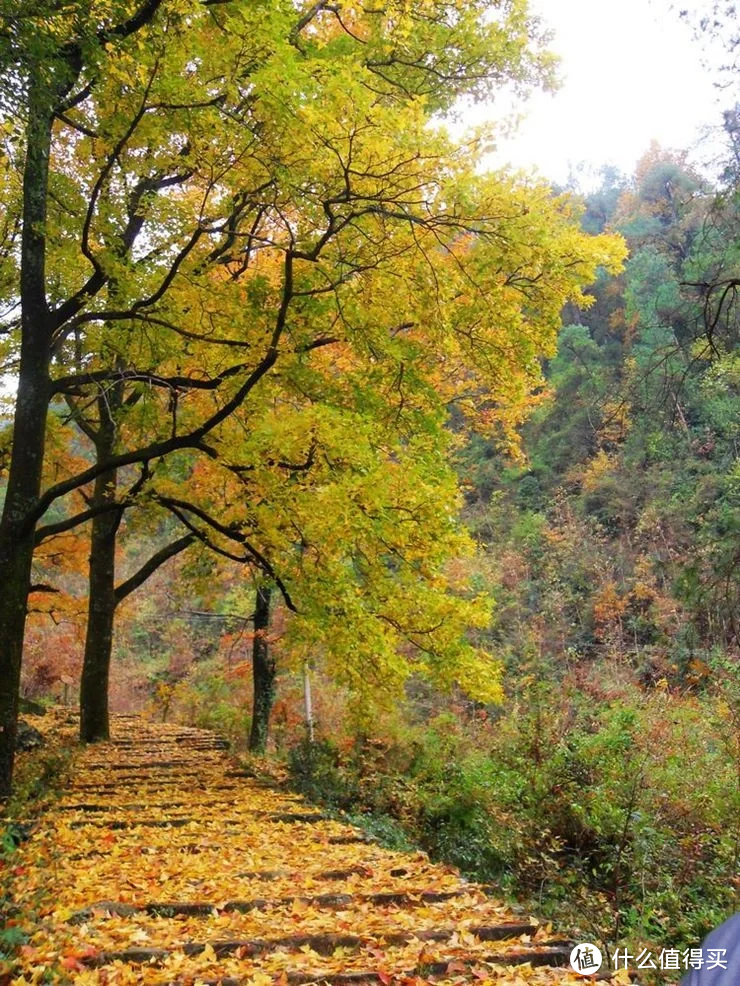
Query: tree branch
(69,384)
(151,566)
(143,16)
(231,534)
(61,526)
(156,449)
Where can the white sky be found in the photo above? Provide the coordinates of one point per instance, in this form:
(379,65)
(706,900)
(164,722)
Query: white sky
(631,73)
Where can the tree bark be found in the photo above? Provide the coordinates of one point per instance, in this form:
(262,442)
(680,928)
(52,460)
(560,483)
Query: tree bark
(94,722)
(263,673)
(94,684)
(29,426)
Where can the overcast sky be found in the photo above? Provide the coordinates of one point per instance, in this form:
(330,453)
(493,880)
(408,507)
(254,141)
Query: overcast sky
(631,73)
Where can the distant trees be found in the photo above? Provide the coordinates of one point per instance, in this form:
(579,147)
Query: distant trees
(626,516)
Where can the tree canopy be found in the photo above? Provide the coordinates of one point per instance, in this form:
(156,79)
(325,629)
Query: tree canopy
(228,213)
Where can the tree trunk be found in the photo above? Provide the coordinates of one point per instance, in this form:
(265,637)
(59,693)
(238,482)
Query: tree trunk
(263,673)
(101,610)
(94,723)
(29,427)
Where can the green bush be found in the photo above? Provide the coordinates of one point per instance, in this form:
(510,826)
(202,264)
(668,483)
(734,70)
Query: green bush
(316,771)
(618,817)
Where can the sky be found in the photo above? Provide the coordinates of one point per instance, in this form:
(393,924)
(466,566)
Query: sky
(631,71)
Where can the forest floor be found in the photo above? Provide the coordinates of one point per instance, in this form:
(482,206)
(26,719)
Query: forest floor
(163,862)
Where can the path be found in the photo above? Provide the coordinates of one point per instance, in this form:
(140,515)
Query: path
(167,865)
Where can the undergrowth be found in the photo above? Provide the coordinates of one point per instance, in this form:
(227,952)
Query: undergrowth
(39,776)
(618,818)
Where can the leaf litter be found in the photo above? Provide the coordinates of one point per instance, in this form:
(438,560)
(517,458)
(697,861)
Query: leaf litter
(157,824)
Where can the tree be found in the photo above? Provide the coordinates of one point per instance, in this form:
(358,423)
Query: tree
(102,423)
(716,25)
(639,437)
(48,70)
(263,671)
(104,597)
(64,553)
(218,193)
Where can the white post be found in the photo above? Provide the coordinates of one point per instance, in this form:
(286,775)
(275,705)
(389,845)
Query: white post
(307,700)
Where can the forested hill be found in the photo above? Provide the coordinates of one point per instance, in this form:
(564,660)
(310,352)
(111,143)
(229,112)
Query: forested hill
(620,529)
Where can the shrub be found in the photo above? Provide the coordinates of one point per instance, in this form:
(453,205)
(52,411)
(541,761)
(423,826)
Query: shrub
(612,809)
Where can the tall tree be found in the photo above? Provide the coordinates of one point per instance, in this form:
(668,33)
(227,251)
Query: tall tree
(102,420)
(259,184)
(48,71)
(263,671)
